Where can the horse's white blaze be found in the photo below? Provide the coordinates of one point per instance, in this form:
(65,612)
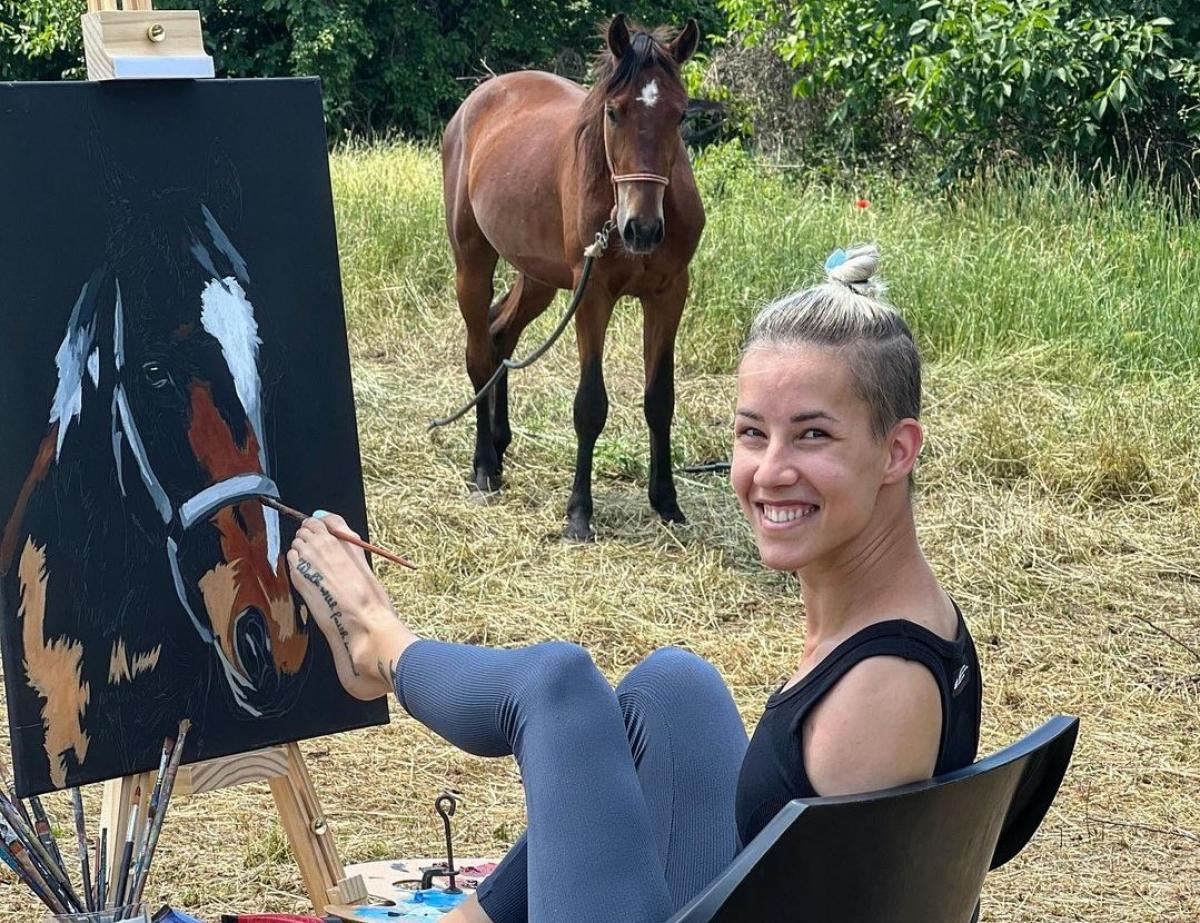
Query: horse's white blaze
(649,94)
(228,316)
(70,360)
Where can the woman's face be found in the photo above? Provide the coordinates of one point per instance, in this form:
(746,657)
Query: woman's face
(807,469)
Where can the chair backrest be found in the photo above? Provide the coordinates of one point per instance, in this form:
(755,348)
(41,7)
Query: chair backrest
(913,854)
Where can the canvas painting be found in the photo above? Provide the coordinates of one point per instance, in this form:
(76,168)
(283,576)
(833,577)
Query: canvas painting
(174,347)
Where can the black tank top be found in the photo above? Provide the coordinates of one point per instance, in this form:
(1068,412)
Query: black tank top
(773,768)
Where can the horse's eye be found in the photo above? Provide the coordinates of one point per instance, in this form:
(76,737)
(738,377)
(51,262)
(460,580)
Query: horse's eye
(156,375)
(611,113)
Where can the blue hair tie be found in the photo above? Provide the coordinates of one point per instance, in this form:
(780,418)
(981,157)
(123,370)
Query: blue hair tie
(836,258)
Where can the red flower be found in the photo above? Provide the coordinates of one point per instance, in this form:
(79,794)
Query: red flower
(862,203)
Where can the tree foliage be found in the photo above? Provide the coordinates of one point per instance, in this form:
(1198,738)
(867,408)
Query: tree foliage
(385,65)
(980,79)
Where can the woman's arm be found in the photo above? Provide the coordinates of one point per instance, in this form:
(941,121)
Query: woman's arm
(879,726)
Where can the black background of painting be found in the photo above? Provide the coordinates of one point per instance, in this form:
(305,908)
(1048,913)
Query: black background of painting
(52,235)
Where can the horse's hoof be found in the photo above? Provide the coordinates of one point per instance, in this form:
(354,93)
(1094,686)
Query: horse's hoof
(579,530)
(670,512)
(487,483)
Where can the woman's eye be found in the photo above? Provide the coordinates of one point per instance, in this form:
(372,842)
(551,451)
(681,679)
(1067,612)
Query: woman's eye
(156,375)
(750,432)
(813,433)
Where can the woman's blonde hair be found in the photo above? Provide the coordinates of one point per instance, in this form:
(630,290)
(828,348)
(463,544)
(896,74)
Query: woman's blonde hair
(847,312)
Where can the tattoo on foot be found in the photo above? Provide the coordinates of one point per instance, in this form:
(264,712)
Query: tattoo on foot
(316,578)
(387,671)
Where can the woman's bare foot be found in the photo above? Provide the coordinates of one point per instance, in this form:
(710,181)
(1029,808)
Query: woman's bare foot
(468,911)
(350,606)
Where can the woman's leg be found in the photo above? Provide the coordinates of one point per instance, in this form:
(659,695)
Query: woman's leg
(551,708)
(687,741)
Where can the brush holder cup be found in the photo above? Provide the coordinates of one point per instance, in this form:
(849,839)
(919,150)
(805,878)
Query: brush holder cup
(131,913)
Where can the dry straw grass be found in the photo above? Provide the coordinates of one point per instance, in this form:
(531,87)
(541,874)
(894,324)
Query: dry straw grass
(1057,502)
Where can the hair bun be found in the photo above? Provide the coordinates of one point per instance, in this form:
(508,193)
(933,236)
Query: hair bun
(854,267)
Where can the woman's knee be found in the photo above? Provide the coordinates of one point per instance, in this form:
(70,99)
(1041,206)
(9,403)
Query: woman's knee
(673,673)
(561,672)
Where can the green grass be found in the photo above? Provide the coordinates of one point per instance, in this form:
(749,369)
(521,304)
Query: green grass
(1010,261)
(1058,499)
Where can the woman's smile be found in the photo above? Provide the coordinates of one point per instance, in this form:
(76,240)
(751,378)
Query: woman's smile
(779,516)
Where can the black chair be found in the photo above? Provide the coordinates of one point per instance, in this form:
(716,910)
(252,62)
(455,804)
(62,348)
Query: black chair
(913,854)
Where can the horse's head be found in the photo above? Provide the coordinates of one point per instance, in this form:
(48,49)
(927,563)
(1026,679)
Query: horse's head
(638,87)
(187,431)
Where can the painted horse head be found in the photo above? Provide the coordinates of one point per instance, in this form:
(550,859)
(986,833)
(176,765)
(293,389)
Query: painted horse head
(634,110)
(159,371)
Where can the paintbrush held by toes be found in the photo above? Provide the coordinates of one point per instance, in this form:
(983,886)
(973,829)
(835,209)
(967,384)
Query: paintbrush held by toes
(339,534)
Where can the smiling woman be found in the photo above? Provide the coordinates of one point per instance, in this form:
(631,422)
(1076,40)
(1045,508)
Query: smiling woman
(658,773)
(827,433)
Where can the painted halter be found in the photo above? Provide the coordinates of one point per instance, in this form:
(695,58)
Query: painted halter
(195,509)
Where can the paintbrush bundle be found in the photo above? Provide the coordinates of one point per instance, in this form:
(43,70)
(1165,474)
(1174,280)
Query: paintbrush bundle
(31,850)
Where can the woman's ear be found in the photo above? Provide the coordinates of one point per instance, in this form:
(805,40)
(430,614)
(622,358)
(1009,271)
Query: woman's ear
(904,445)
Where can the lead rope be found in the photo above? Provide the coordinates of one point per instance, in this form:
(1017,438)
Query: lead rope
(591,253)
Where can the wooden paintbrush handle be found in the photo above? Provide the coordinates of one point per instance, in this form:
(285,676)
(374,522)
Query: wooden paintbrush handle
(374,549)
(339,534)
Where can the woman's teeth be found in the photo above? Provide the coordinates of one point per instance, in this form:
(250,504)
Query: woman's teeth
(786,513)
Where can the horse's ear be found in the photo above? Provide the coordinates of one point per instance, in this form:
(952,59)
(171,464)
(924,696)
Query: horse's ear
(683,46)
(618,36)
(223,196)
(116,184)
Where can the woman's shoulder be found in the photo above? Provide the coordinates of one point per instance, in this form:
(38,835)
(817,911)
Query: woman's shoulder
(891,707)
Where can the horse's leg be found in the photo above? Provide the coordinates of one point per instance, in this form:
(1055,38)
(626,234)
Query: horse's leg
(475,262)
(662,312)
(510,316)
(591,407)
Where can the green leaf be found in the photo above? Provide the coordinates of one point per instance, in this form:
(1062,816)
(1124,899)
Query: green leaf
(918,27)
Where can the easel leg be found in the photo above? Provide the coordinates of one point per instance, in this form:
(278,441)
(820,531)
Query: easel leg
(114,812)
(304,823)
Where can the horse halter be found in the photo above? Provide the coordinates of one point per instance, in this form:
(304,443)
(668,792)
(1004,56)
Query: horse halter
(618,178)
(197,508)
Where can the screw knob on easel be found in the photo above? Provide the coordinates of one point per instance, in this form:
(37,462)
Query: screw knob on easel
(135,41)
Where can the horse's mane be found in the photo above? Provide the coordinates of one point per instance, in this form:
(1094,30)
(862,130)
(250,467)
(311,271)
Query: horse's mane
(646,49)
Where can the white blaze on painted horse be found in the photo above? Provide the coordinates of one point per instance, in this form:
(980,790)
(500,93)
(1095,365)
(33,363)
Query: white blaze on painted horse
(649,94)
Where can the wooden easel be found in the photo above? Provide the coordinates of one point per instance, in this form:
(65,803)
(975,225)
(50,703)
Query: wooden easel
(299,809)
(138,42)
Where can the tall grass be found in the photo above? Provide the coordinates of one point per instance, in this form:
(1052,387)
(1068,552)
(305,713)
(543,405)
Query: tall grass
(1010,261)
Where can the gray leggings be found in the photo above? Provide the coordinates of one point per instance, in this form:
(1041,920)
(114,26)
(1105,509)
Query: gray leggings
(629,794)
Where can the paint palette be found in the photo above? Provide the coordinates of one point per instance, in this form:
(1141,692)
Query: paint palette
(415,907)
(387,879)
(394,879)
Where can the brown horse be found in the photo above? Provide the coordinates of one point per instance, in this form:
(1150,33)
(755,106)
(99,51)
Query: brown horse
(531,166)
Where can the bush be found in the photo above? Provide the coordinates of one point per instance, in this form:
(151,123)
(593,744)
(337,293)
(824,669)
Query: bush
(386,65)
(983,80)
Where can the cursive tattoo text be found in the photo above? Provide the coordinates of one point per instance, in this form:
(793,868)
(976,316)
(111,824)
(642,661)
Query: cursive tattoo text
(317,579)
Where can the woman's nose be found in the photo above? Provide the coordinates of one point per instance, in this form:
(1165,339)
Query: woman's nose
(776,468)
